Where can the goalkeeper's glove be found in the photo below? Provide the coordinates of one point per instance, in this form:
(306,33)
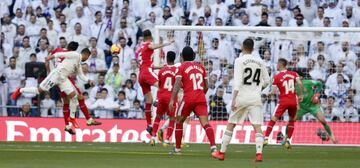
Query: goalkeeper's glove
(315,99)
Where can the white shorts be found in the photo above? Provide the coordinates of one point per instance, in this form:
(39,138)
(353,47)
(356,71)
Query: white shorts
(252,111)
(54,78)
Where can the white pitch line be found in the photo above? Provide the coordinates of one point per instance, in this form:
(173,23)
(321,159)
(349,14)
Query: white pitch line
(82,151)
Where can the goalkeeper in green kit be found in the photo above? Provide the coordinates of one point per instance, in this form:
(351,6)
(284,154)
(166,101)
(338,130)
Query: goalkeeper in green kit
(311,103)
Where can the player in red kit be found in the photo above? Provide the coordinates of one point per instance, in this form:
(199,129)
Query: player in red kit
(192,77)
(285,81)
(166,84)
(147,76)
(66,100)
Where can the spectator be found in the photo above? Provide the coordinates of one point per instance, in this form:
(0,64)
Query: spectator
(47,106)
(319,19)
(136,112)
(93,45)
(339,90)
(123,106)
(196,11)
(79,37)
(96,65)
(333,12)
(100,85)
(114,79)
(125,56)
(130,91)
(14,76)
(24,53)
(332,79)
(308,9)
(217,105)
(104,105)
(25,110)
(350,113)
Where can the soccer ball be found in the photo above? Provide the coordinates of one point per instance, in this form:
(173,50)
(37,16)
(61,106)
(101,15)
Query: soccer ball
(115,49)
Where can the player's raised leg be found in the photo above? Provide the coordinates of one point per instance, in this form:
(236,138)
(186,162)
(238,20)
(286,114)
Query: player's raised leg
(320,116)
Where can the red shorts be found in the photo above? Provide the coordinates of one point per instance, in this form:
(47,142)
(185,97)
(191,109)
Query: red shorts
(163,108)
(62,94)
(282,107)
(199,108)
(147,78)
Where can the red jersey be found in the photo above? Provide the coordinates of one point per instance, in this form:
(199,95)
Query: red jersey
(56,50)
(166,82)
(193,76)
(285,81)
(145,56)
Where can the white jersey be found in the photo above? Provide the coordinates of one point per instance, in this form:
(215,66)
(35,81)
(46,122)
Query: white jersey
(250,76)
(69,63)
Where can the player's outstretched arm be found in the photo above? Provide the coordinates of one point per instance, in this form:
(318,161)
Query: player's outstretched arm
(175,92)
(67,55)
(299,83)
(156,46)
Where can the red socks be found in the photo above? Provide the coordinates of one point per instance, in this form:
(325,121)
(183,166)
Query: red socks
(170,129)
(210,134)
(155,126)
(148,113)
(269,128)
(178,134)
(84,109)
(66,113)
(291,126)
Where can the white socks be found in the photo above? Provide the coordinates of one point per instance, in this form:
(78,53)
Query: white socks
(31,90)
(165,125)
(226,140)
(73,105)
(259,140)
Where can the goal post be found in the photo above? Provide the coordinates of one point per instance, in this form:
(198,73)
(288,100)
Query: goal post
(301,46)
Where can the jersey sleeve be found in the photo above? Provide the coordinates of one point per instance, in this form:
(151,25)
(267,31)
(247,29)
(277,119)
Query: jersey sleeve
(80,73)
(68,55)
(204,72)
(275,81)
(179,73)
(265,75)
(238,76)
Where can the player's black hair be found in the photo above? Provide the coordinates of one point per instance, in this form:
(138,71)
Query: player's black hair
(32,54)
(248,44)
(72,46)
(170,57)
(104,89)
(188,54)
(279,17)
(121,92)
(264,14)
(85,51)
(12,58)
(147,33)
(97,12)
(136,101)
(283,61)
(133,74)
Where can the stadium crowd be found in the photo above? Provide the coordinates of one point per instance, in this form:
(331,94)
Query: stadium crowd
(31,29)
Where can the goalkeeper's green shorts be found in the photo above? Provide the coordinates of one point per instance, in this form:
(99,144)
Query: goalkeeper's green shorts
(304,109)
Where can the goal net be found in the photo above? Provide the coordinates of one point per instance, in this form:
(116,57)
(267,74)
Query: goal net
(327,55)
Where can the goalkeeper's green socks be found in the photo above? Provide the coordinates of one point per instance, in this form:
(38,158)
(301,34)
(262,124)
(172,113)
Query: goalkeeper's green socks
(327,128)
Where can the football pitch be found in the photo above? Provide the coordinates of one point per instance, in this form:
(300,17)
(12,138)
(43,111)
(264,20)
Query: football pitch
(123,155)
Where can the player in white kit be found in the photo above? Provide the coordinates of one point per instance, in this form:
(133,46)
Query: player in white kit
(250,76)
(71,64)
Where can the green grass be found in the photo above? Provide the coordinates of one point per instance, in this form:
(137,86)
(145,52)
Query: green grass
(107,155)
